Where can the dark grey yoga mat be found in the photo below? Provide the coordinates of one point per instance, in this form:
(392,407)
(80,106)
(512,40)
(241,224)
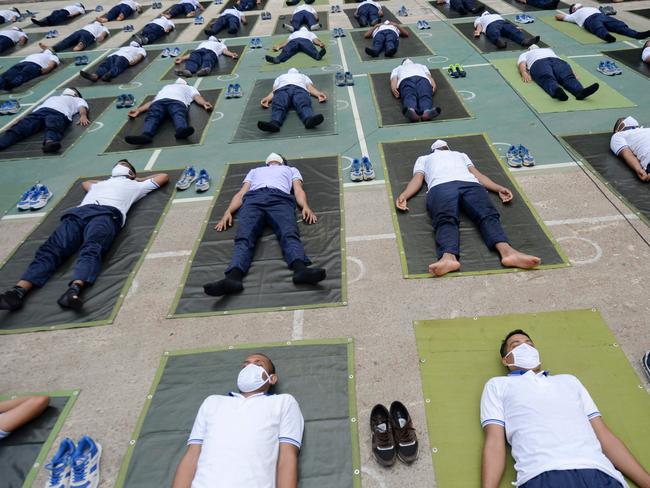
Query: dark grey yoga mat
(448,12)
(168,38)
(127,76)
(632,59)
(411,46)
(524,7)
(323,20)
(225,65)
(388,15)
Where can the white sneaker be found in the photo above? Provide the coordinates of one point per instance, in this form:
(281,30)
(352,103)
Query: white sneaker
(40,198)
(85,464)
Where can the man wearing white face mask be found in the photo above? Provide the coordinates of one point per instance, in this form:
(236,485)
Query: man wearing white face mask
(90,229)
(557,434)
(631,143)
(249,439)
(412,82)
(116,63)
(172,101)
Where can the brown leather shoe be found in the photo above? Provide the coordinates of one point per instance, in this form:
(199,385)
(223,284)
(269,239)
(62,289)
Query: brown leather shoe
(383,438)
(405,437)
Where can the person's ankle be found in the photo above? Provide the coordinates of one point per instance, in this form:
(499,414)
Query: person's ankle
(235,274)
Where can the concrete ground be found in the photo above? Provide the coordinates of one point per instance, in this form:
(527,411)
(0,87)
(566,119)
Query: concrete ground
(114,365)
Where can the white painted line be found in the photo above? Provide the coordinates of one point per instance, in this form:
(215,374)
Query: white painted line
(298,323)
(152,159)
(476,65)
(357,184)
(360,75)
(353,103)
(198,82)
(191,200)
(30,215)
(630,44)
(375,237)
(591,220)
(597,255)
(586,56)
(167,254)
(546,166)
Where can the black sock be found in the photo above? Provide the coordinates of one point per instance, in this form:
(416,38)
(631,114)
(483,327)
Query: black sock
(235,274)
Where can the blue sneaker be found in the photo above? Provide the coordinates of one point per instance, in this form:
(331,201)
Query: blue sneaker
(23,203)
(605,68)
(9,107)
(60,465)
(519,18)
(165,53)
(237,92)
(121,100)
(339,78)
(341,32)
(175,52)
(367,170)
(85,464)
(40,198)
(526,158)
(356,173)
(615,69)
(425,25)
(229,90)
(349,79)
(55,33)
(99,8)
(513,158)
(187,178)
(203,181)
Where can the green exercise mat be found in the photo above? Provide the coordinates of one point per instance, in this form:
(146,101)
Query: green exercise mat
(293,127)
(279,30)
(579,34)
(524,228)
(632,59)
(389,108)
(24,451)
(458,356)
(605,97)
(388,15)
(225,65)
(45,13)
(126,76)
(319,374)
(104,298)
(28,85)
(300,60)
(268,285)
(409,47)
(448,12)
(483,45)
(524,7)
(244,29)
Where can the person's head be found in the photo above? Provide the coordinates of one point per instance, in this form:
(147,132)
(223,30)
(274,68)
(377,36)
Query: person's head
(439,145)
(533,47)
(575,7)
(180,81)
(275,158)
(386,22)
(124,168)
(213,39)
(79,4)
(406,61)
(293,71)
(647,44)
(134,44)
(257,374)
(17,28)
(71,92)
(624,123)
(518,351)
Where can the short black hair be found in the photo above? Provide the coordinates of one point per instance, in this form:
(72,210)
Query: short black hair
(647,43)
(268,359)
(571,7)
(128,163)
(618,122)
(76,91)
(504,342)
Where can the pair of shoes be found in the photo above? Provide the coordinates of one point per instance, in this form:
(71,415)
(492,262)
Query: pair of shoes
(403,11)
(338,32)
(645,362)
(9,107)
(34,198)
(335,9)
(81,60)
(52,34)
(190,176)
(129,28)
(265,15)
(29,13)
(170,53)
(75,466)
(362,170)
(423,24)
(233,90)
(456,71)
(199,20)
(126,100)
(609,68)
(518,156)
(256,43)
(156,5)
(344,78)
(99,8)
(393,435)
(524,19)
(607,10)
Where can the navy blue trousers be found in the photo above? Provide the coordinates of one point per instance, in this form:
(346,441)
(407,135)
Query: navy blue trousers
(386,41)
(18,74)
(2,20)
(80,36)
(247,5)
(572,478)
(267,206)
(181,9)
(51,121)
(367,15)
(287,97)
(545,4)
(89,229)
(120,8)
(296,46)
(601,25)
(303,18)
(462,6)
(501,28)
(444,203)
(199,59)
(226,21)
(6,43)
(152,32)
(57,17)
(551,72)
(115,65)
(176,110)
(417,93)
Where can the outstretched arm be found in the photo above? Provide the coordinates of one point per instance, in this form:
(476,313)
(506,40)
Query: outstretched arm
(560,16)
(523,71)
(504,193)
(279,47)
(83,117)
(631,160)
(266,101)
(50,66)
(134,112)
(161,179)
(477,30)
(308,216)
(369,32)
(287,472)
(203,102)
(433,83)
(394,87)
(493,461)
(235,204)
(410,191)
(187,467)
(136,60)
(314,92)
(230,54)
(402,31)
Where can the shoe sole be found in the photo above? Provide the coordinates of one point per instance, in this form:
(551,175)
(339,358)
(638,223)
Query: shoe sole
(368,176)
(356,179)
(185,186)
(39,205)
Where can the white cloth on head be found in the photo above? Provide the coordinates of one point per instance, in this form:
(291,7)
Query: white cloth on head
(43,59)
(130,3)
(304,8)
(444,166)
(383,27)
(274,157)
(13,34)
(130,53)
(96,29)
(177,91)
(486,19)
(232,11)
(645,54)
(67,105)
(74,10)
(529,57)
(437,144)
(240,439)
(407,70)
(636,140)
(303,33)
(547,422)
(298,79)
(276,176)
(368,2)
(163,22)
(580,15)
(217,47)
(193,2)
(8,15)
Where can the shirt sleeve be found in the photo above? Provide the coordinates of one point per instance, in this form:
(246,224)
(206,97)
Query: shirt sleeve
(570,18)
(522,59)
(82,103)
(145,187)
(645,55)
(308,80)
(292,423)
(492,405)
(617,143)
(588,405)
(419,166)
(249,176)
(198,429)
(194,92)
(395,73)
(477,22)
(466,160)
(295,174)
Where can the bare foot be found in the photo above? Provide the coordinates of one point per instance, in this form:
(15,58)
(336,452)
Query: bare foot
(120,17)
(516,259)
(446,264)
(101,19)
(43,46)
(79,47)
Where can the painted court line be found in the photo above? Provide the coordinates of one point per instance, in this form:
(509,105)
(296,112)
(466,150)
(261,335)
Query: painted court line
(167,254)
(30,215)
(476,65)
(152,159)
(585,56)
(545,166)
(592,220)
(191,200)
(375,237)
(298,323)
(364,183)
(353,104)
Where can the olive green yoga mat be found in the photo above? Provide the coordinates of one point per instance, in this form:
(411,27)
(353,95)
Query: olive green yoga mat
(300,60)
(581,35)
(458,356)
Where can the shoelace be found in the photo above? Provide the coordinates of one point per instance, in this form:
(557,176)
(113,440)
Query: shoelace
(384,439)
(56,472)
(406,435)
(79,469)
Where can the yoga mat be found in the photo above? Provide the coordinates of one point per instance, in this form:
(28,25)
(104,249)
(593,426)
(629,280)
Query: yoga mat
(524,228)
(644,12)
(446,10)
(32,39)
(605,97)
(169,38)
(94,46)
(388,15)
(575,342)
(483,45)
(632,59)
(409,47)
(300,60)
(69,20)
(31,147)
(203,4)
(225,65)
(8,63)
(101,300)
(231,4)
(244,30)
(524,7)
(268,285)
(579,34)
(24,451)
(293,127)
(126,76)
(593,149)
(198,118)
(389,108)
(278,30)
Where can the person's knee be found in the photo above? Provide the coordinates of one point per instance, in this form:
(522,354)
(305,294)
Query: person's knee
(38,403)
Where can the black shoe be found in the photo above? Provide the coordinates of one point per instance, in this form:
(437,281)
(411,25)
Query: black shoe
(560,94)
(530,41)
(313,121)
(71,298)
(203,72)
(88,76)
(411,115)
(609,38)
(309,276)
(383,441)
(185,73)
(501,43)
(390,53)
(184,133)
(138,140)
(642,35)
(11,300)
(371,52)
(461,11)
(478,10)
(271,59)
(227,286)
(590,90)
(405,436)
(321,53)
(645,362)
(38,22)
(428,115)
(51,146)
(268,126)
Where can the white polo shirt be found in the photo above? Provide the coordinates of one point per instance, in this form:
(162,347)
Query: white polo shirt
(645,54)
(408,70)
(130,3)
(529,57)
(547,423)
(130,53)
(276,176)
(164,22)
(8,15)
(231,11)
(193,2)
(177,91)
(636,140)
(96,29)
(383,27)
(74,10)
(304,8)
(217,47)
(303,33)
(444,166)
(66,104)
(580,15)
(43,59)
(369,2)
(486,19)
(13,34)
(240,439)
(119,192)
(298,79)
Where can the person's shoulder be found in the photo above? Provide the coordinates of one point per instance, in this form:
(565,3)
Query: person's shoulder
(285,399)
(497,382)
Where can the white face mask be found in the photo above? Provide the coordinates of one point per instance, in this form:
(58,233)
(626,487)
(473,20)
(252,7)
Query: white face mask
(120,170)
(525,356)
(251,378)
